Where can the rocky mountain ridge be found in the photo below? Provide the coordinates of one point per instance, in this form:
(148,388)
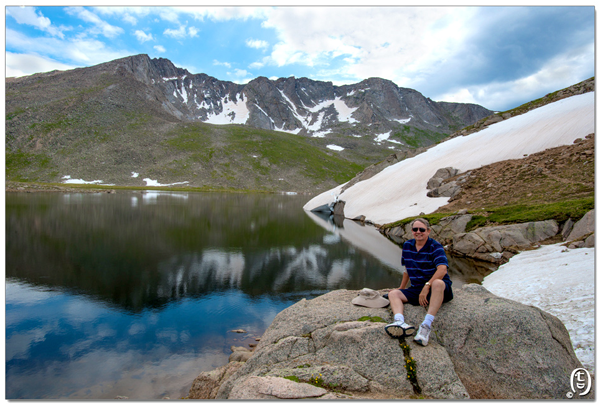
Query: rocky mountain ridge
(145,116)
(300,106)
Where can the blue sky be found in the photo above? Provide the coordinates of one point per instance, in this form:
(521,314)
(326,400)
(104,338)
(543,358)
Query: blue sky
(499,57)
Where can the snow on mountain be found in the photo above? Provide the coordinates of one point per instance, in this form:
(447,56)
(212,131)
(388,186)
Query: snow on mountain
(383,137)
(233,112)
(539,278)
(400,191)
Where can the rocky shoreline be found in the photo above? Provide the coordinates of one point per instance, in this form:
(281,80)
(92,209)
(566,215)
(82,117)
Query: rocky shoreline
(28,187)
(499,243)
(484,345)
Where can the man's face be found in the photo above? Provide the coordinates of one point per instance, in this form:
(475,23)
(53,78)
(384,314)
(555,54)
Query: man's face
(420,236)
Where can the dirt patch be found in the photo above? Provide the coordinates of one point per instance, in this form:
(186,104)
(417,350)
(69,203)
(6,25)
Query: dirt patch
(553,175)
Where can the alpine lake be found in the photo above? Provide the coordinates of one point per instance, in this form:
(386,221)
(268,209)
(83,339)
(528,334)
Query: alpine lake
(134,294)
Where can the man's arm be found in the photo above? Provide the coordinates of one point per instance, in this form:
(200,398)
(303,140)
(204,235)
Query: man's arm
(404,280)
(441,271)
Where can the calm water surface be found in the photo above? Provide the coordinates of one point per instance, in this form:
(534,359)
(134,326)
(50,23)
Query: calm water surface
(135,294)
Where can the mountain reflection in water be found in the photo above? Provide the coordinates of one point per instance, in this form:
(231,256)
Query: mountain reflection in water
(134,294)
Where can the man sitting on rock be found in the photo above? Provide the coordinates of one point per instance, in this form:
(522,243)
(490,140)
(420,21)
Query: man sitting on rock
(427,267)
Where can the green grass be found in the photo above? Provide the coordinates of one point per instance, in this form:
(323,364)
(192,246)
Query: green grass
(415,137)
(520,213)
(433,218)
(18,161)
(261,151)
(375,319)
(13,114)
(559,211)
(158,188)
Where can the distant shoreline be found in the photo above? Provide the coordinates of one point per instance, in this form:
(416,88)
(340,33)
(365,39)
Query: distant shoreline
(33,187)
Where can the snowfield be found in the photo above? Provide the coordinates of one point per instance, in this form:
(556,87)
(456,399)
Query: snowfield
(559,281)
(399,191)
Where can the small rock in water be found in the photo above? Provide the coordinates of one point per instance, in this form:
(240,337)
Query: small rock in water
(252,345)
(239,330)
(257,339)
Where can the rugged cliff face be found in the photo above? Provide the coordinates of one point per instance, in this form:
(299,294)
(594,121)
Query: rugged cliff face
(373,106)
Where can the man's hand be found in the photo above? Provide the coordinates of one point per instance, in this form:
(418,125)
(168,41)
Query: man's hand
(423,296)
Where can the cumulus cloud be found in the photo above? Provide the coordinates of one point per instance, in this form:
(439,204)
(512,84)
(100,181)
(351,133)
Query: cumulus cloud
(240,73)
(256,65)
(559,72)
(256,43)
(130,19)
(224,13)
(29,16)
(79,51)
(181,32)
(27,64)
(379,41)
(102,27)
(217,63)
(142,36)
(160,48)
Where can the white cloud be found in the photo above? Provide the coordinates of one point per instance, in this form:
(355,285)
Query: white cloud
(217,63)
(256,43)
(79,51)
(28,16)
(241,73)
(378,41)
(224,13)
(102,27)
(142,36)
(560,72)
(169,14)
(28,64)
(179,33)
(130,19)
(256,65)
(160,48)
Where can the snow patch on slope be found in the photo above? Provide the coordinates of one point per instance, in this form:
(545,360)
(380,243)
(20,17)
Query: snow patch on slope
(150,182)
(383,137)
(233,112)
(67,179)
(335,147)
(399,191)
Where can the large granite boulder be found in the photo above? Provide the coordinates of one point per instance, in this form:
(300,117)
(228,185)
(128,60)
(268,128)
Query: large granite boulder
(582,232)
(482,346)
(442,232)
(498,244)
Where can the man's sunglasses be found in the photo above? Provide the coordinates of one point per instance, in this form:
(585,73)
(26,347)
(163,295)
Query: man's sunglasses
(421,229)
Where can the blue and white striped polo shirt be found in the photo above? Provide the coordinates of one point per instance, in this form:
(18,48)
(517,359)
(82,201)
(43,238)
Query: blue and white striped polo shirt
(421,265)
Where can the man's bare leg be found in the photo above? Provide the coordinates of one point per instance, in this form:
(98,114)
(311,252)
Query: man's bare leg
(435,302)
(398,329)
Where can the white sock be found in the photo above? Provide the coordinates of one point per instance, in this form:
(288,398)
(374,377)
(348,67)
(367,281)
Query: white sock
(399,317)
(428,320)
